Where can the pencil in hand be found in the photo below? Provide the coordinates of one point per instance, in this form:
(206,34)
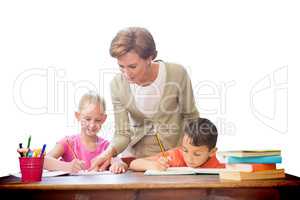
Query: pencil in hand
(162,149)
(72,150)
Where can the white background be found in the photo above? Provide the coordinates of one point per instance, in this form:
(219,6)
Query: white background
(242,58)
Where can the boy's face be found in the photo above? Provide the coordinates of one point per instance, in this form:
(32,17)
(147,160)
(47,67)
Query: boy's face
(195,156)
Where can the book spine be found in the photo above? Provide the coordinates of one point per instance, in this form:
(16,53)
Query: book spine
(250,167)
(260,159)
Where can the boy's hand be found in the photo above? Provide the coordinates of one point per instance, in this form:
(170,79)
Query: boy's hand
(75,166)
(161,164)
(118,166)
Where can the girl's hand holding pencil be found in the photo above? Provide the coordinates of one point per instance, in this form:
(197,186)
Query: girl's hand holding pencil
(75,166)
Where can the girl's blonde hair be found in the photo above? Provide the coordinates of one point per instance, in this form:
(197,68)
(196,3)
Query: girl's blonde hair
(91,98)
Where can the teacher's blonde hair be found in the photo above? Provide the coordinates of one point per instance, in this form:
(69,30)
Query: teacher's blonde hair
(135,39)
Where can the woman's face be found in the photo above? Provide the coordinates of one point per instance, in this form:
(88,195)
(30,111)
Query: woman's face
(134,68)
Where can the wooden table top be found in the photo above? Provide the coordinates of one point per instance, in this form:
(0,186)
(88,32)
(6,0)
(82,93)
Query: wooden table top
(137,180)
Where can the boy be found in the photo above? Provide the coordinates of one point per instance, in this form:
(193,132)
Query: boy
(197,150)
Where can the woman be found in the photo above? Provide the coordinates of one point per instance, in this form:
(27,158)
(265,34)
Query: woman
(148,96)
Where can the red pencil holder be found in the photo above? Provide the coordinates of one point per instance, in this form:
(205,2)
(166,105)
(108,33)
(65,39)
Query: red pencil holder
(31,168)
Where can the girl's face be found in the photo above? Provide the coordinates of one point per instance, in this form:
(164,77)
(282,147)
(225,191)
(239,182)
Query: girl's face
(91,119)
(195,156)
(134,69)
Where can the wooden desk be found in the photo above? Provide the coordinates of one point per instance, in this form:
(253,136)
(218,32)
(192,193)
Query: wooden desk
(137,186)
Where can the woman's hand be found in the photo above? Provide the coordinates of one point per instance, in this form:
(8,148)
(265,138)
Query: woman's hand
(101,162)
(118,166)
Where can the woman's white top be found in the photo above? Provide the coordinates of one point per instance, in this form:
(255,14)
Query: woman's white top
(148,97)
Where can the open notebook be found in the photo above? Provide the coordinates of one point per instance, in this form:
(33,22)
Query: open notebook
(184,171)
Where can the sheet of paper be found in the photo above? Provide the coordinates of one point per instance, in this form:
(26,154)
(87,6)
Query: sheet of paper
(46,173)
(4,174)
(171,171)
(209,170)
(53,173)
(91,173)
(184,171)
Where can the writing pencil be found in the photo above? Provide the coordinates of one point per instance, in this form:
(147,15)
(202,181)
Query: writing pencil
(73,152)
(162,149)
(28,145)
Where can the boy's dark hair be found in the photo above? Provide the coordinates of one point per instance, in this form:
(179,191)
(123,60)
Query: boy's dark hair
(201,131)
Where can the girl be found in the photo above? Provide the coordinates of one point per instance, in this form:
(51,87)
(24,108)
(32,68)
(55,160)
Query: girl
(77,151)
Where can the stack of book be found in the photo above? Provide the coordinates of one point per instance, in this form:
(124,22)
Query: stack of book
(251,165)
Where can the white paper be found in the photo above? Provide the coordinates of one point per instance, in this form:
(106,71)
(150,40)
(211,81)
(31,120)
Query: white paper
(4,174)
(45,174)
(91,173)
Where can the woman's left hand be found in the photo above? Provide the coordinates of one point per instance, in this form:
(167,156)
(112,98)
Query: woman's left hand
(117,166)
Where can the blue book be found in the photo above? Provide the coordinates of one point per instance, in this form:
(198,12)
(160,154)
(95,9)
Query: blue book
(258,159)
